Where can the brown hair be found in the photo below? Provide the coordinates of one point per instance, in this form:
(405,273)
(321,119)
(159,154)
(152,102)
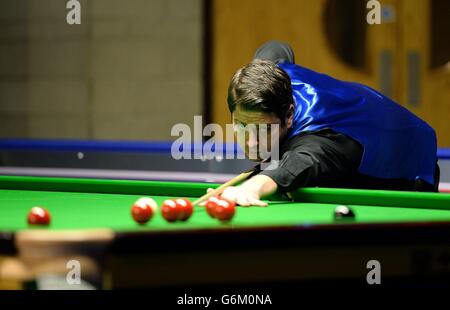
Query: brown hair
(261,86)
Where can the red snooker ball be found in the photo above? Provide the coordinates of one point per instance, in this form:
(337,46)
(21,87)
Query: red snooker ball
(141,211)
(225,210)
(38,216)
(185,209)
(211,205)
(170,211)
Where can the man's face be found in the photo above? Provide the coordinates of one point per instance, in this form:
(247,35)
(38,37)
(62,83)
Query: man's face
(255,133)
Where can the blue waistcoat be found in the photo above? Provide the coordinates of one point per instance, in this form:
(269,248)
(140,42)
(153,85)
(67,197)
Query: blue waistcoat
(397,144)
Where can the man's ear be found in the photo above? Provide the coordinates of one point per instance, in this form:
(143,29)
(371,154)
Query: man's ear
(290,116)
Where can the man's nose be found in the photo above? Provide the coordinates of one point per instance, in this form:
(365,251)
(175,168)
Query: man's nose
(252,139)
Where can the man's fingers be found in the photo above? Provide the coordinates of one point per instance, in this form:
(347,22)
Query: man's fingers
(240,197)
(232,190)
(228,197)
(242,200)
(256,202)
(230,194)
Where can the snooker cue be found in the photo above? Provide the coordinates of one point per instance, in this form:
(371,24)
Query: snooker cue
(243,176)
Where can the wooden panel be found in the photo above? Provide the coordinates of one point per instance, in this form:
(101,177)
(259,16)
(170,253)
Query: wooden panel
(383,38)
(434,103)
(240,27)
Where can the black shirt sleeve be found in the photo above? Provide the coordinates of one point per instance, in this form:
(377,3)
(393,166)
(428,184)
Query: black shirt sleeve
(326,158)
(314,159)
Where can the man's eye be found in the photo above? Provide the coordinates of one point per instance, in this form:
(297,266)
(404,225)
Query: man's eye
(239,126)
(263,129)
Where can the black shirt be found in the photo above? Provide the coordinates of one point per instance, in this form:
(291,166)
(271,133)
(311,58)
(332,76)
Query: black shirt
(326,158)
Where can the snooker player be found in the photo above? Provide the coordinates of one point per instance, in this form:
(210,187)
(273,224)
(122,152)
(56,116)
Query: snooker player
(331,133)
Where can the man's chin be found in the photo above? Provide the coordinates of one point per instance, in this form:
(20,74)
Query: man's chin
(254,158)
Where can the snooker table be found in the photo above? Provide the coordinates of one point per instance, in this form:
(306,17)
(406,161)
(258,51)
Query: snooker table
(132,160)
(291,241)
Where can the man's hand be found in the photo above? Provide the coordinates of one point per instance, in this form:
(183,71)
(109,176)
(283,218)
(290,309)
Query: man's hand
(251,191)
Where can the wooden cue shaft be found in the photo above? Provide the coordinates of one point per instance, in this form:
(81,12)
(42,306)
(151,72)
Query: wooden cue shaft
(243,176)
